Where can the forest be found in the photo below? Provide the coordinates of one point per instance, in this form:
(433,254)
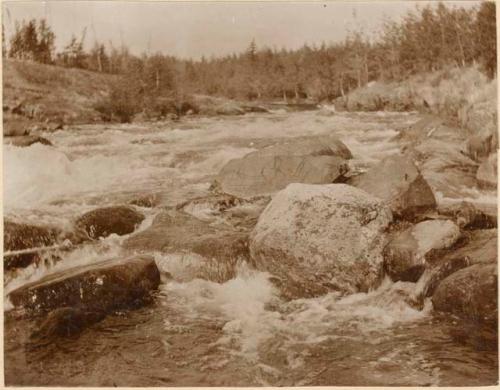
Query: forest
(426,39)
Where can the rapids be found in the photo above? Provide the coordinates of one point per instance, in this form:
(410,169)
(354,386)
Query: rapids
(198,332)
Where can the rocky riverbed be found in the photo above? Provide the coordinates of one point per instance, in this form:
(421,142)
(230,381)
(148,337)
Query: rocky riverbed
(280,248)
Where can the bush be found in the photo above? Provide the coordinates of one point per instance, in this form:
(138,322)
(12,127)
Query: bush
(122,103)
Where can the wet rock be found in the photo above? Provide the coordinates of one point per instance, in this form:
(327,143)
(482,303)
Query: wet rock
(109,220)
(420,130)
(470,293)
(479,246)
(445,168)
(312,161)
(26,140)
(147,201)
(326,111)
(319,238)
(254,108)
(435,273)
(229,108)
(65,322)
(469,217)
(225,209)
(103,287)
(217,249)
(405,255)
(18,236)
(398,182)
(487,174)
(480,145)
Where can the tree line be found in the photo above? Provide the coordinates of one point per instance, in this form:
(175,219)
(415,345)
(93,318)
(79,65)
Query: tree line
(426,39)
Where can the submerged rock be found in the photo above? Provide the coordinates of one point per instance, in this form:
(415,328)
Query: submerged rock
(487,175)
(398,182)
(405,255)
(218,249)
(470,293)
(19,236)
(102,287)
(319,238)
(26,140)
(109,220)
(64,322)
(312,161)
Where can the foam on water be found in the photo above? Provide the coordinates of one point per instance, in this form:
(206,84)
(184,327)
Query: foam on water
(254,315)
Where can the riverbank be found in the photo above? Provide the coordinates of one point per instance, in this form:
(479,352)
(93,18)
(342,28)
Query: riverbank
(39,97)
(464,97)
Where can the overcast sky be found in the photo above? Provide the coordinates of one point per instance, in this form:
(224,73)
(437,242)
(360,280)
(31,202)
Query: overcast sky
(193,29)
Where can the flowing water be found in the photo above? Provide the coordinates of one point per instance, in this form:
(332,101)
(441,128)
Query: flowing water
(198,332)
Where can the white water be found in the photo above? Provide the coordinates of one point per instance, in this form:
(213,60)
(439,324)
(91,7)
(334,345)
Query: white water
(262,339)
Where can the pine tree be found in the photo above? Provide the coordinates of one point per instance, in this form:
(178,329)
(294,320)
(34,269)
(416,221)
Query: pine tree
(486,37)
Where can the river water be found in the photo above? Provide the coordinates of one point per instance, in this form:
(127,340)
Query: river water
(198,332)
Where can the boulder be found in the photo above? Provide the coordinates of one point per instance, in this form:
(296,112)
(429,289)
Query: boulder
(23,141)
(218,249)
(109,220)
(271,169)
(398,182)
(255,109)
(480,145)
(19,236)
(229,108)
(445,168)
(102,287)
(434,274)
(487,174)
(470,293)
(309,146)
(478,246)
(405,255)
(319,238)
(468,217)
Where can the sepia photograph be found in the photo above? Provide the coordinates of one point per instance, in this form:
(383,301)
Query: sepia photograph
(249,193)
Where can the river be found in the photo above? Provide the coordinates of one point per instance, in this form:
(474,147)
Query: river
(198,332)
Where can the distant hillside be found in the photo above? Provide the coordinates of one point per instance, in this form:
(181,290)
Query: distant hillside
(46,96)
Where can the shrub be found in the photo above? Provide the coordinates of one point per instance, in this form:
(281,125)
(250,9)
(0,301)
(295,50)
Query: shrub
(122,103)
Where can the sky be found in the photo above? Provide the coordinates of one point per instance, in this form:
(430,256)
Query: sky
(195,29)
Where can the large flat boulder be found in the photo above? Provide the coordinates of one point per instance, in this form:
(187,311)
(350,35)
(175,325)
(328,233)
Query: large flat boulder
(21,236)
(103,287)
(319,238)
(104,221)
(487,174)
(263,172)
(470,293)
(398,182)
(405,255)
(217,249)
